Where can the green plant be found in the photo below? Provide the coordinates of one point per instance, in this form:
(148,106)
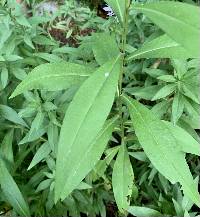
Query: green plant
(81,107)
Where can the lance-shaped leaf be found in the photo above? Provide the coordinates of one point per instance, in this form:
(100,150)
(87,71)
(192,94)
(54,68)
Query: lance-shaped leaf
(118,7)
(6,148)
(161,47)
(122,179)
(12,192)
(179,20)
(162,148)
(11,115)
(83,120)
(53,76)
(41,154)
(143,211)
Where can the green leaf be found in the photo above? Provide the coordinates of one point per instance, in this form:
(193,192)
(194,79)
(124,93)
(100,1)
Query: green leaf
(43,40)
(162,148)
(178,208)
(161,47)
(180,66)
(44,185)
(122,179)
(118,7)
(41,154)
(4,77)
(160,108)
(11,115)
(144,92)
(22,21)
(89,158)
(179,20)
(155,73)
(165,91)
(6,149)
(12,58)
(28,41)
(190,91)
(167,78)
(104,47)
(187,143)
(177,107)
(143,211)
(53,76)
(83,120)
(12,192)
(52,58)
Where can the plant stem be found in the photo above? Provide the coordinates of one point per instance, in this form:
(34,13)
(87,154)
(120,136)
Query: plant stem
(124,38)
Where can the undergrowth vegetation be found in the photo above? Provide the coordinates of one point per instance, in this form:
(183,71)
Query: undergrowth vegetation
(99,108)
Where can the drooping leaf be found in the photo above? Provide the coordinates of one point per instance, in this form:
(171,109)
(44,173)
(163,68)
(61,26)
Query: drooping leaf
(12,192)
(161,47)
(162,148)
(53,76)
(143,211)
(179,20)
(104,47)
(118,7)
(122,179)
(11,115)
(83,120)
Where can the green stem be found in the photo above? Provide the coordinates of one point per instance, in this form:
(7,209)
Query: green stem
(124,38)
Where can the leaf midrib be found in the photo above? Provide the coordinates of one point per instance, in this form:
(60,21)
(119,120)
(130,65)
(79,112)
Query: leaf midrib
(89,149)
(149,51)
(170,18)
(90,107)
(166,15)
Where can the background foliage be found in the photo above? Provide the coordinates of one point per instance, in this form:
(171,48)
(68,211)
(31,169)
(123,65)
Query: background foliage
(30,123)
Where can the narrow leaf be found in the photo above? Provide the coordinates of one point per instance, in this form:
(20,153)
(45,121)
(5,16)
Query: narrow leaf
(6,149)
(177,107)
(53,76)
(12,192)
(161,47)
(41,153)
(179,20)
(83,121)
(165,91)
(162,148)
(122,179)
(11,115)
(143,211)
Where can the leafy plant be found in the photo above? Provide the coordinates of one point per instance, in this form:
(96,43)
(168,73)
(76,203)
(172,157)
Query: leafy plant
(81,105)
